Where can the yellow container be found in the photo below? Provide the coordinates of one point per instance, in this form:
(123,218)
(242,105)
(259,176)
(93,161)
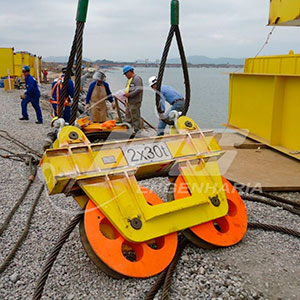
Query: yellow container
(275,64)
(266,107)
(6,85)
(21,59)
(284,12)
(40,67)
(33,66)
(18,62)
(25,58)
(6,62)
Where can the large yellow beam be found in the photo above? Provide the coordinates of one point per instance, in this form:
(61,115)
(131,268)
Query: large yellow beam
(284,13)
(266,107)
(106,172)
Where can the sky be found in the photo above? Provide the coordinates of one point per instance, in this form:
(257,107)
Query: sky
(137,29)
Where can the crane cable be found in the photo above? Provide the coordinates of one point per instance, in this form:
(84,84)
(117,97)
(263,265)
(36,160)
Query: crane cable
(76,51)
(174,29)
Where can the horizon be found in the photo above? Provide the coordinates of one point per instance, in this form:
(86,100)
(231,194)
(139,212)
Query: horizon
(235,29)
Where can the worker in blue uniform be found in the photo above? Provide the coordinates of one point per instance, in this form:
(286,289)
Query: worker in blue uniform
(170,95)
(31,95)
(55,94)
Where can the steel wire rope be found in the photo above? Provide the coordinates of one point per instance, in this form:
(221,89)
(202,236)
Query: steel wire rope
(38,292)
(25,232)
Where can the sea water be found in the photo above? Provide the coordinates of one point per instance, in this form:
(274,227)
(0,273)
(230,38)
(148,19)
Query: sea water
(209,92)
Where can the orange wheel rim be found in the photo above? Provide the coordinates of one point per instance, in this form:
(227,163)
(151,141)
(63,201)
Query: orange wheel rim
(225,231)
(138,260)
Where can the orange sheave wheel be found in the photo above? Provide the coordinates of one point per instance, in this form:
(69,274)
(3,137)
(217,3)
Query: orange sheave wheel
(118,257)
(223,232)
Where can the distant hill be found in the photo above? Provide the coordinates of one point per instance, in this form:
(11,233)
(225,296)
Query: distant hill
(60,59)
(103,61)
(198,59)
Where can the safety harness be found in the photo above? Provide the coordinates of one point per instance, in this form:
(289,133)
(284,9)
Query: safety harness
(58,87)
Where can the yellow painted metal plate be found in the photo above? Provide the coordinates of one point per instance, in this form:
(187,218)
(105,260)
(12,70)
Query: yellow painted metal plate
(121,200)
(284,12)
(266,107)
(6,62)
(107,175)
(76,158)
(274,64)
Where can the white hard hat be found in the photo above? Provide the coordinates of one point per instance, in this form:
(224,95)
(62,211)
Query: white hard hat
(99,76)
(152,80)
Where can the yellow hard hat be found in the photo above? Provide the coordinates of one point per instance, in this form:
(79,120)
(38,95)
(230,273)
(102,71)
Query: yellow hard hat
(53,120)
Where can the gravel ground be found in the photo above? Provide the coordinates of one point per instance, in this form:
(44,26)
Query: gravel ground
(264,265)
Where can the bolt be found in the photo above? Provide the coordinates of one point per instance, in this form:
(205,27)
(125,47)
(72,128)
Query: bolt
(73,135)
(188,124)
(215,201)
(136,223)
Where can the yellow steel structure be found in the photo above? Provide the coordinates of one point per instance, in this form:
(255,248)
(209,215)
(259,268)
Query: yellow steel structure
(264,104)
(40,66)
(9,86)
(274,64)
(32,64)
(264,100)
(108,176)
(18,64)
(284,12)
(21,59)
(14,62)
(6,62)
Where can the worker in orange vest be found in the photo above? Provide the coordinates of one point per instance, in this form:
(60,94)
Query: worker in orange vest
(55,94)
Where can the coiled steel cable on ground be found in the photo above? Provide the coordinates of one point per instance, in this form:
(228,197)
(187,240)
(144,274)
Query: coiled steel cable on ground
(174,29)
(79,46)
(252,191)
(171,270)
(157,285)
(255,198)
(20,144)
(275,228)
(52,257)
(19,202)
(165,277)
(25,232)
(13,156)
(278,199)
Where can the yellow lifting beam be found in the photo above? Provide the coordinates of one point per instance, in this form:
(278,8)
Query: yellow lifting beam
(107,174)
(284,13)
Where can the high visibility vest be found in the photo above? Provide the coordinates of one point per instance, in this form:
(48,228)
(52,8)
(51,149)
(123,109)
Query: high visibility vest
(58,86)
(128,87)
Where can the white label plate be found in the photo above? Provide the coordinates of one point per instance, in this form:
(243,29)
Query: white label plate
(146,153)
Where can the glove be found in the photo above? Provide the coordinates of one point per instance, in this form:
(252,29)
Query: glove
(162,116)
(87,107)
(23,96)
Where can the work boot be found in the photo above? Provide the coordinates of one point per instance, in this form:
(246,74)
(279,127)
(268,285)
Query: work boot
(23,119)
(38,122)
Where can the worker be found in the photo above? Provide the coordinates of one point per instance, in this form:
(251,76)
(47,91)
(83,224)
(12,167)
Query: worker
(134,95)
(173,97)
(45,76)
(31,95)
(97,95)
(55,94)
